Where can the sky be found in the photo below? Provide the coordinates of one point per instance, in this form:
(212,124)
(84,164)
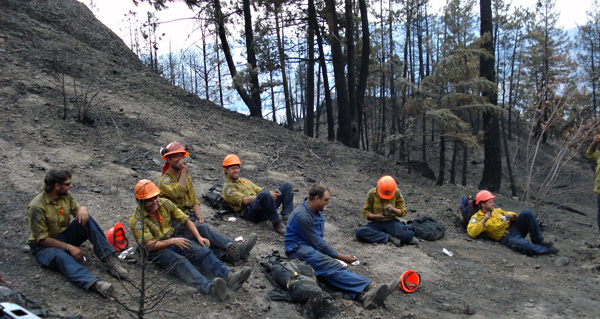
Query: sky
(112,14)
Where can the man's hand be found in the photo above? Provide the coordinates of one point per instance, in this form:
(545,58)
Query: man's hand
(200,219)
(510,215)
(204,242)
(487,216)
(389,210)
(275,194)
(346,258)
(82,215)
(181,243)
(76,252)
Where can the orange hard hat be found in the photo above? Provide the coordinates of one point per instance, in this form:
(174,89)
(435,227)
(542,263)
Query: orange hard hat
(409,281)
(386,187)
(482,196)
(173,148)
(116,237)
(145,189)
(231,159)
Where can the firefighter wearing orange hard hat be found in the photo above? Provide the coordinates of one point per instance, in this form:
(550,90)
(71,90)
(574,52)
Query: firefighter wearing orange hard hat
(151,226)
(176,185)
(508,228)
(255,203)
(383,208)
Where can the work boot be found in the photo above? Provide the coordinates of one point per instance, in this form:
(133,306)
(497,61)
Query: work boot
(233,253)
(374,297)
(218,289)
(102,287)
(553,250)
(396,241)
(279,227)
(414,241)
(547,243)
(285,218)
(246,247)
(235,280)
(115,268)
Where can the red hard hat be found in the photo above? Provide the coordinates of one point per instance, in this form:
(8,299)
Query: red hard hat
(173,148)
(409,281)
(386,187)
(230,160)
(482,196)
(116,237)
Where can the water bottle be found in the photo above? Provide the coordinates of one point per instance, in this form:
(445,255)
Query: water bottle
(126,253)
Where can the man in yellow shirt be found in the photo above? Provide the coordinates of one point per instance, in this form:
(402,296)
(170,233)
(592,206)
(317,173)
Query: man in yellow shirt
(508,228)
(55,238)
(150,224)
(176,185)
(383,207)
(255,203)
(594,154)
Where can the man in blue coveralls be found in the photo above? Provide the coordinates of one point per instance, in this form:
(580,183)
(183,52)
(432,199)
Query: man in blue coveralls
(304,240)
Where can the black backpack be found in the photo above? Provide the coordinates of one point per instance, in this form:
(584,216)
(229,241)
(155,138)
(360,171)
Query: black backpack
(294,279)
(214,199)
(427,228)
(467,209)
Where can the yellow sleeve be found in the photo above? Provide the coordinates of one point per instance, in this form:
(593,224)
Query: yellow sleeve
(399,204)
(593,155)
(37,223)
(368,207)
(475,227)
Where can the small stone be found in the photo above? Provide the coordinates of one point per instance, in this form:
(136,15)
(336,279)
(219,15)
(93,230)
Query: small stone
(562,261)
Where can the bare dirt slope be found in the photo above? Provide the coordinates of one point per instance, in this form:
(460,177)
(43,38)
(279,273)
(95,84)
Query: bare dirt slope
(134,113)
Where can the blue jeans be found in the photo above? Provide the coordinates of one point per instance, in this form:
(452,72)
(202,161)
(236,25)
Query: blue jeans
(520,227)
(330,270)
(378,232)
(218,242)
(59,259)
(181,263)
(264,207)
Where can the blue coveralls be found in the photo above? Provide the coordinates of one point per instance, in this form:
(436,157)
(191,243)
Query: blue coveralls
(304,240)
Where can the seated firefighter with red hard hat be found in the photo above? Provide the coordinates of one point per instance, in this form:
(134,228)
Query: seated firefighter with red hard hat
(255,203)
(383,207)
(176,185)
(508,228)
(151,227)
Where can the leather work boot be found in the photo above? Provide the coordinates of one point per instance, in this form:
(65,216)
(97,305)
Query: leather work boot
(374,297)
(235,280)
(246,247)
(233,253)
(285,218)
(547,243)
(553,250)
(115,268)
(279,227)
(396,241)
(218,289)
(103,287)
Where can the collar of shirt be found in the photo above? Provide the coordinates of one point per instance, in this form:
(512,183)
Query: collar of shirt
(315,215)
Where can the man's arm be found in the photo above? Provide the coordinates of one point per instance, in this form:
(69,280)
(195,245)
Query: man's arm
(72,250)
(83,215)
(594,146)
(477,224)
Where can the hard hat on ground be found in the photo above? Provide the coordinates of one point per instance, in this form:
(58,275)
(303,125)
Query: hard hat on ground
(230,160)
(386,187)
(145,189)
(409,281)
(116,237)
(482,196)
(173,148)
